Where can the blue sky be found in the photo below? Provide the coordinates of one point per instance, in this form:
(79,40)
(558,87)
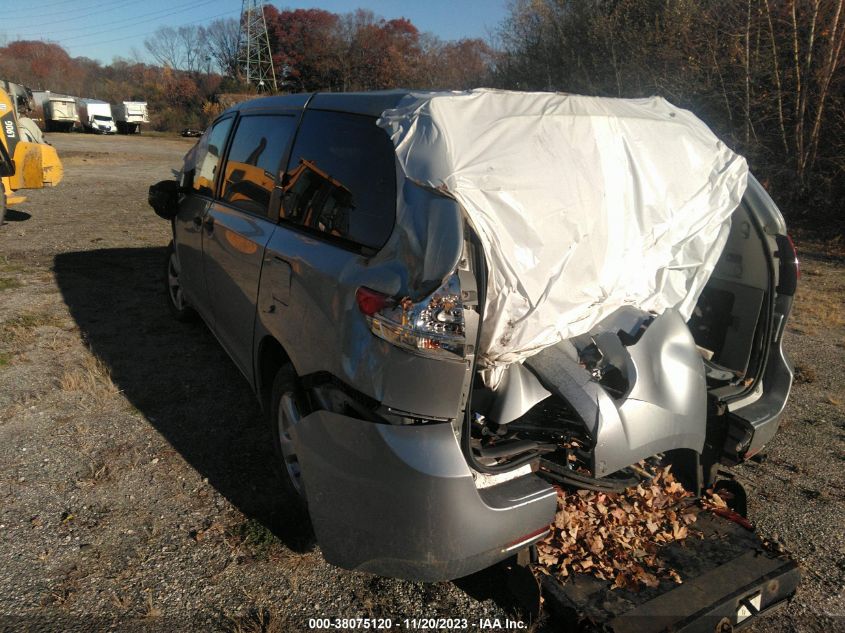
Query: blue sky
(104,29)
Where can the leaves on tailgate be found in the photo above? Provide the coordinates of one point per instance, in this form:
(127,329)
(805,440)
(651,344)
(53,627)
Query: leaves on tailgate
(616,536)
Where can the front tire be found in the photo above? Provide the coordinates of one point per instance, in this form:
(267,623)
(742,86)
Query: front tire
(176,302)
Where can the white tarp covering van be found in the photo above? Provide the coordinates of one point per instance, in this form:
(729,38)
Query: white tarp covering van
(582,204)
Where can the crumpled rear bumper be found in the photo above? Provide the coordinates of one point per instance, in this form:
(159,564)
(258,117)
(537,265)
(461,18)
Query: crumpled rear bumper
(401,501)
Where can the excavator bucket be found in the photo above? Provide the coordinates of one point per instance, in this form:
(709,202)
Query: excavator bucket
(34,165)
(37,166)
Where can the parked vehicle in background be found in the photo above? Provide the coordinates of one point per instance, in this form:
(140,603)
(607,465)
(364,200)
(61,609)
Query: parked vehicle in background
(96,116)
(23,164)
(129,116)
(351,290)
(21,97)
(60,113)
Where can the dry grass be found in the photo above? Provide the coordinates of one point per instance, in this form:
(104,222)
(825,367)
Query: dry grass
(151,611)
(122,603)
(21,329)
(10,267)
(22,401)
(819,301)
(805,374)
(261,620)
(9,283)
(92,380)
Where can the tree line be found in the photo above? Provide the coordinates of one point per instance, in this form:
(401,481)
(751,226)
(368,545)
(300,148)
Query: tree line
(767,75)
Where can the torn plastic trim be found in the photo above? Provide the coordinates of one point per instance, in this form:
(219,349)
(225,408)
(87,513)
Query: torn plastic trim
(664,410)
(479,267)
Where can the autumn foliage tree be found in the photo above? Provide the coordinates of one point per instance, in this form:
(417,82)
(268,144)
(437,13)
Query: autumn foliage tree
(768,75)
(40,64)
(320,50)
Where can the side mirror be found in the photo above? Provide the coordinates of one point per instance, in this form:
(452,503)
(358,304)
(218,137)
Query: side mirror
(163,197)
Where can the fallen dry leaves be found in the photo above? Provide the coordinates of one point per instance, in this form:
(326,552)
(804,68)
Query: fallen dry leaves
(616,536)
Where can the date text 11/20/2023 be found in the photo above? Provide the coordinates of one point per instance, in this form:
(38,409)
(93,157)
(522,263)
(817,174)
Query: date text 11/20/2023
(439,624)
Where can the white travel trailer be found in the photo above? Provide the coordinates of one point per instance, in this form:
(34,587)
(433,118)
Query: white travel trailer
(129,116)
(60,114)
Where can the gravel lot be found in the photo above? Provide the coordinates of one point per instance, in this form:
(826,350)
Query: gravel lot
(137,491)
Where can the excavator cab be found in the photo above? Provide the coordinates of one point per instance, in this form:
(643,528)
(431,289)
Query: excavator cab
(23,164)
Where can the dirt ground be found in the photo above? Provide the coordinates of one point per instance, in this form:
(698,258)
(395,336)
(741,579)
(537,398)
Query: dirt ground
(137,489)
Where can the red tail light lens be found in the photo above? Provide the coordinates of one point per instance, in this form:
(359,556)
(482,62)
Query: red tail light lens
(370,301)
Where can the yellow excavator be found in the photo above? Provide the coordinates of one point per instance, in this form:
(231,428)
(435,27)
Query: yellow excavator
(23,164)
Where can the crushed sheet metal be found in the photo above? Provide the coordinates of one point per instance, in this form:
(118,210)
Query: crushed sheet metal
(582,204)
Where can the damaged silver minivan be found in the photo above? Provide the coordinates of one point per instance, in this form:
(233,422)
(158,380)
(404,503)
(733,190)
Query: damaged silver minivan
(427,386)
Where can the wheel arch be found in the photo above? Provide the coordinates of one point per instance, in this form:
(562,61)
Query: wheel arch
(270,357)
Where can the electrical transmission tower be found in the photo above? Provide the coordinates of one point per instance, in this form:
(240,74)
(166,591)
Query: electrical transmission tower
(254,56)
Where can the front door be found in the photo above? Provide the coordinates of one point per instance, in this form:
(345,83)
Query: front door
(200,175)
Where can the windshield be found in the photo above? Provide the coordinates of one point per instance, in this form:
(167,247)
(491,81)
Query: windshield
(100,117)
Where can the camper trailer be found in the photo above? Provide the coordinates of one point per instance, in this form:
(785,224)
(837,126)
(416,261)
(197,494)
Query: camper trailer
(129,116)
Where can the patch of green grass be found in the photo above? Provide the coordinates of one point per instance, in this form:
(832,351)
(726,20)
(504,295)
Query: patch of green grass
(5,359)
(9,283)
(21,327)
(33,320)
(9,267)
(257,537)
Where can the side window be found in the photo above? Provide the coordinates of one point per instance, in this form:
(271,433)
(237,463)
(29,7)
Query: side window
(254,160)
(341,178)
(208,152)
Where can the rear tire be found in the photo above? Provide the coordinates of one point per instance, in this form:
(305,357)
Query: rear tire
(176,302)
(286,409)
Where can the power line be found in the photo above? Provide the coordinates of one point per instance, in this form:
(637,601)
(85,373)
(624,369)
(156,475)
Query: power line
(125,37)
(111,5)
(54,4)
(158,13)
(76,37)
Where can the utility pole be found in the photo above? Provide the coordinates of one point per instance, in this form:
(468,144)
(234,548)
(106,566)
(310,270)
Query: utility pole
(254,48)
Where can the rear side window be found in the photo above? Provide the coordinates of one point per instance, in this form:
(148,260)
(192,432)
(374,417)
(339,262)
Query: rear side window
(209,149)
(341,178)
(255,157)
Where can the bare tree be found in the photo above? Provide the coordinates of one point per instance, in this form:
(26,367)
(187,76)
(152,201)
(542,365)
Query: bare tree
(222,40)
(165,47)
(182,48)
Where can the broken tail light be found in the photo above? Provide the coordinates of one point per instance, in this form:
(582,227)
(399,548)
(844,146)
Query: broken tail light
(433,326)
(790,271)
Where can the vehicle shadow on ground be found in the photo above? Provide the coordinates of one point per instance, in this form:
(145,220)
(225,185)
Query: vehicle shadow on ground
(179,378)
